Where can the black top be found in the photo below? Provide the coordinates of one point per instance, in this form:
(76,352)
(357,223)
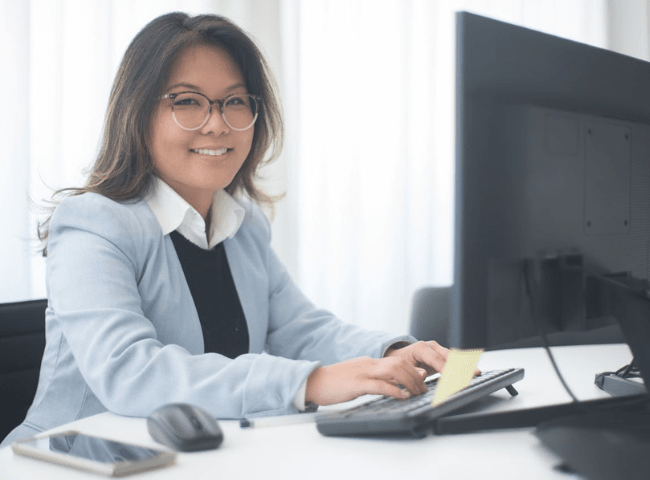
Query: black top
(210,280)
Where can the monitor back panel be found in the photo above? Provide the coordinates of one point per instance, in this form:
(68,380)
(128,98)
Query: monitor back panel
(553,169)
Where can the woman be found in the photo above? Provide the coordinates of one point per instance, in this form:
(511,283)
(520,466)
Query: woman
(162,286)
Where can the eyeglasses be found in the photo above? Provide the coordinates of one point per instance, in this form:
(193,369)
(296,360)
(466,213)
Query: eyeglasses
(191,110)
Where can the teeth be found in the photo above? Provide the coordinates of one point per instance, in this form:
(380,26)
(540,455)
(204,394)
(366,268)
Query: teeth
(211,152)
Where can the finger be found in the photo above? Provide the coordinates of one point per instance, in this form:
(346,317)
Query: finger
(439,349)
(430,358)
(405,374)
(389,389)
(417,376)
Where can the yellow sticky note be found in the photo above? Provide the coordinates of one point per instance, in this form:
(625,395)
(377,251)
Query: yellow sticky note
(457,373)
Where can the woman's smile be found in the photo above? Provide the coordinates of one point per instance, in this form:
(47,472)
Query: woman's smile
(212,152)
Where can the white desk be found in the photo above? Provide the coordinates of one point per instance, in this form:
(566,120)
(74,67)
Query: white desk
(299,451)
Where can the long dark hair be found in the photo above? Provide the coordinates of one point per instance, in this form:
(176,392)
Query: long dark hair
(124,168)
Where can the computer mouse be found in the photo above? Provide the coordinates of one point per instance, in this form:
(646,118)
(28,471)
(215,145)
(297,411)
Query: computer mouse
(184,427)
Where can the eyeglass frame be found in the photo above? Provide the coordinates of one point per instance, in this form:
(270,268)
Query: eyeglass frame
(221,103)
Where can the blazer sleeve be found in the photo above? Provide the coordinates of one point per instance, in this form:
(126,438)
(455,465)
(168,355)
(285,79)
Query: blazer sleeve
(300,330)
(96,258)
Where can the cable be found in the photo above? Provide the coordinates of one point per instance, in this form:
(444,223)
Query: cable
(629,371)
(528,278)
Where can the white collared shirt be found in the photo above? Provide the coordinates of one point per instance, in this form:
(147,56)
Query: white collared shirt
(174,213)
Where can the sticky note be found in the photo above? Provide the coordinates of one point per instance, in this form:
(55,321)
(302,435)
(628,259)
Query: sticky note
(457,373)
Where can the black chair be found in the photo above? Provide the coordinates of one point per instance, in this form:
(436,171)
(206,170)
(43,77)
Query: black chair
(22,341)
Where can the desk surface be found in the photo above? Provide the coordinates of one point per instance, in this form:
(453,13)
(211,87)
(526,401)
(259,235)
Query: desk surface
(299,451)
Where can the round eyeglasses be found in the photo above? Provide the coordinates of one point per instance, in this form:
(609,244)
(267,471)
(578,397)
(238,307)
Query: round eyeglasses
(191,110)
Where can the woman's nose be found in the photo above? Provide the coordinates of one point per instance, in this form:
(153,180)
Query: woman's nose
(216,123)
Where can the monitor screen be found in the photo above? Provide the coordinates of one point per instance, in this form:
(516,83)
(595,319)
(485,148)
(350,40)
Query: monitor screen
(552,185)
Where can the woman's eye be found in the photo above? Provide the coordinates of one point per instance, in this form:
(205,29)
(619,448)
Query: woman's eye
(186,102)
(237,102)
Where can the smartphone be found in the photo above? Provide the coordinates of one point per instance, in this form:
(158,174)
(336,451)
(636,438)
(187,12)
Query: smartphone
(94,454)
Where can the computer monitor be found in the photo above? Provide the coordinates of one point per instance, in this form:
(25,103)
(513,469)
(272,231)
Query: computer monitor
(552,186)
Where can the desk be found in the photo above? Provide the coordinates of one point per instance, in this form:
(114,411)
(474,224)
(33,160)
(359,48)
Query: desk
(299,451)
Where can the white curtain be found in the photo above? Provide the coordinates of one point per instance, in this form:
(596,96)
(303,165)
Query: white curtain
(368,89)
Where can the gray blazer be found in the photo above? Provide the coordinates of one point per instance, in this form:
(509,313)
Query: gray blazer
(123,333)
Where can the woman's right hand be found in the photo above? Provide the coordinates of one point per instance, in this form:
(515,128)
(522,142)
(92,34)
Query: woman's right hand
(350,379)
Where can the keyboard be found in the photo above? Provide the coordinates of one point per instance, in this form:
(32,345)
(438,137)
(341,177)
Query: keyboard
(413,416)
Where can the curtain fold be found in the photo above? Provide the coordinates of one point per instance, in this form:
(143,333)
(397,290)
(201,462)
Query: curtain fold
(15,278)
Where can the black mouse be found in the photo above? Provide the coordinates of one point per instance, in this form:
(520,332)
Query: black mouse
(184,427)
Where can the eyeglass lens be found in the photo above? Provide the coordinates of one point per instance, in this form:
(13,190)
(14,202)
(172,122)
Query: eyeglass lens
(191,110)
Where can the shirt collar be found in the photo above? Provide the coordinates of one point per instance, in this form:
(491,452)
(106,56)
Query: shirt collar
(174,213)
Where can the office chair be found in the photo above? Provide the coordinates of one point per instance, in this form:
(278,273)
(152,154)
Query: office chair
(430,314)
(22,341)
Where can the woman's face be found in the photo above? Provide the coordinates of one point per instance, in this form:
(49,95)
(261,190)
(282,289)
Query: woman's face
(198,163)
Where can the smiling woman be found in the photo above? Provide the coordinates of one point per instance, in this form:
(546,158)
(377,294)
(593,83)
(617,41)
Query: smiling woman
(162,283)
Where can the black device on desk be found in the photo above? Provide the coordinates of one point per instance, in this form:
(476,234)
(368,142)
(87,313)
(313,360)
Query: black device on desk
(552,202)
(413,416)
(552,173)
(184,427)
(622,382)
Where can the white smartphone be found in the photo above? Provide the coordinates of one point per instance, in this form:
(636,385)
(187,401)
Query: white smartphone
(93,454)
